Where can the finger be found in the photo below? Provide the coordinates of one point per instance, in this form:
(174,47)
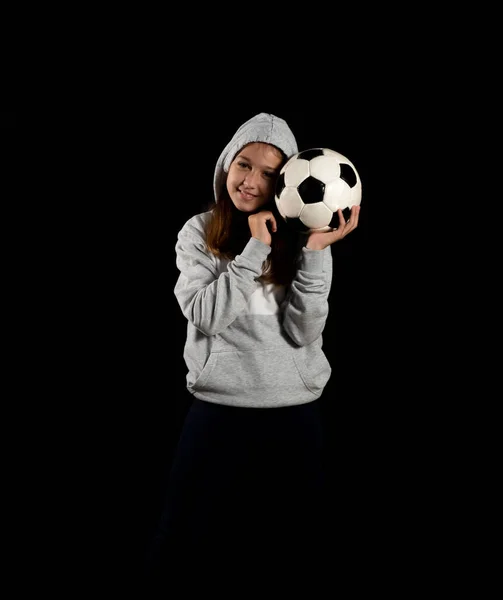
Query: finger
(342,220)
(274,225)
(355,213)
(356,216)
(345,226)
(337,234)
(352,221)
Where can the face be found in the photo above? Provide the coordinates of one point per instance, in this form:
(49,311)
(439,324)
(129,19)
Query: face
(252,176)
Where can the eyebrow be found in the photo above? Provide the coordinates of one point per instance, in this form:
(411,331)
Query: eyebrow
(244,157)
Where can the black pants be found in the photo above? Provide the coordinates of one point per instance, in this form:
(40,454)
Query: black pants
(245,483)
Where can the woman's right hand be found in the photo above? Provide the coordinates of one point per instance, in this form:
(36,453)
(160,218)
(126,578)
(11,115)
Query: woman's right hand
(261,224)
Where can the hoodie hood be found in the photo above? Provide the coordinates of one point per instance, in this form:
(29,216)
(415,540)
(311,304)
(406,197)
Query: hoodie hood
(263,127)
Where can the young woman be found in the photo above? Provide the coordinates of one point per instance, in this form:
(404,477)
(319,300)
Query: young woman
(248,467)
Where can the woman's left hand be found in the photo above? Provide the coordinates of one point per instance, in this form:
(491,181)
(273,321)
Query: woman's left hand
(320,240)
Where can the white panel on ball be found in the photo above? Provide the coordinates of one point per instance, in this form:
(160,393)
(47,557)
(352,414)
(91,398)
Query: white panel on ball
(297,171)
(291,203)
(325,168)
(316,215)
(337,195)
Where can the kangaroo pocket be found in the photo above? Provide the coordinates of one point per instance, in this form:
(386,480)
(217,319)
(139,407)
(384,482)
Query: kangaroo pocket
(313,367)
(265,375)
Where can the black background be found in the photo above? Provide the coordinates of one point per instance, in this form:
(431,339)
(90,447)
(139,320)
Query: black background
(141,169)
(7,120)
(134,126)
(163,174)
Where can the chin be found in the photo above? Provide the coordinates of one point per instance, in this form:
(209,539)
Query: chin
(247,207)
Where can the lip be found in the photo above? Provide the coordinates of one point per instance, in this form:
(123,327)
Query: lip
(246,196)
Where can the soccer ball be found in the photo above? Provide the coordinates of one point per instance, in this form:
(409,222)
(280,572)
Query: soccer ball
(311,187)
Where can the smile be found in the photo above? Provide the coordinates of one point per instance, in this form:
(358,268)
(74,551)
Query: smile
(246,196)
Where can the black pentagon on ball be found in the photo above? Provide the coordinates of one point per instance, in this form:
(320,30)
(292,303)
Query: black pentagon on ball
(280,184)
(311,190)
(348,174)
(310,154)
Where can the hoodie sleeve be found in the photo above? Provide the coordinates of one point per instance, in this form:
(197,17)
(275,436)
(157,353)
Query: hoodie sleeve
(211,300)
(306,307)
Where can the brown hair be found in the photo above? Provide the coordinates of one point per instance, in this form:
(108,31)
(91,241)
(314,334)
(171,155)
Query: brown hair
(228,233)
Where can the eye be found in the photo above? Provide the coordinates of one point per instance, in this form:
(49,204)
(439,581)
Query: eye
(269,175)
(243,165)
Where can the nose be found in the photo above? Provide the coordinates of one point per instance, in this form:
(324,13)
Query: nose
(250,180)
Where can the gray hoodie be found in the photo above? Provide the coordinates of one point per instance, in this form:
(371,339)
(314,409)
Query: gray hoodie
(250,343)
